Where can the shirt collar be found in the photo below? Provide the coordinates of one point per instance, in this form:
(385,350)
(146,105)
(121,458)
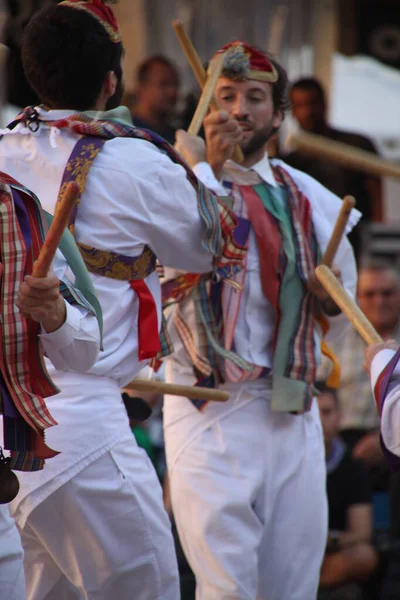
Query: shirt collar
(262,168)
(121,112)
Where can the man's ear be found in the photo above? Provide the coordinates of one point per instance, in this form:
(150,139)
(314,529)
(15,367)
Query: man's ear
(110,83)
(277,119)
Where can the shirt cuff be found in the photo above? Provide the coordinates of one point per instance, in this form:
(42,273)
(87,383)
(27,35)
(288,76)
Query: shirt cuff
(379,362)
(204,172)
(64,335)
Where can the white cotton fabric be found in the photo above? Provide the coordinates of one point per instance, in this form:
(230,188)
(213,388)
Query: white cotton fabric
(248,496)
(12,580)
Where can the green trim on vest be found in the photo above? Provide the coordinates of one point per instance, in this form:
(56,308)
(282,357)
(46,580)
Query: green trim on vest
(83,281)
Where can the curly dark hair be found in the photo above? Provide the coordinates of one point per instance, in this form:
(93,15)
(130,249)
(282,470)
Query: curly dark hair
(280,89)
(66,55)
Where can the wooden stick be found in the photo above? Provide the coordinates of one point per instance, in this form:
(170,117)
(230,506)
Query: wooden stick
(42,264)
(338,231)
(347,304)
(342,154)
(206,95)
(278,24)
(190,52)
(199,393)
(199,72)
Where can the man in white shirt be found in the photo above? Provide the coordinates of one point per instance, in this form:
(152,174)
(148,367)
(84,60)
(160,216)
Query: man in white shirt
(92,523)
(247,476)
(67,333)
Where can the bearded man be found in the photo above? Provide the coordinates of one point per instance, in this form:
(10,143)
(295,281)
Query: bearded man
(248,476)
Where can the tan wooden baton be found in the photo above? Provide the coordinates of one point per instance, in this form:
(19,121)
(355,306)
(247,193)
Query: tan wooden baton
(347,304)
(199,72)
(342,154)
(206,95)
(42,264)
(148,385)
(338,231)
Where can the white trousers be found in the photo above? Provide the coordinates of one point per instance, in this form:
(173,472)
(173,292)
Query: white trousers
(103,535)
(248,496)
(12,581)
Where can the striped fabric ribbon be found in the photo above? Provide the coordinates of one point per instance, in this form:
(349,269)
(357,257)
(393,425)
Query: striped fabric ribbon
(216,304)
(24,381)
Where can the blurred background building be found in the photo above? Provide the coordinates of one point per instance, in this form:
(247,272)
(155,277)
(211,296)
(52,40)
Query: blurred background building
(351,46)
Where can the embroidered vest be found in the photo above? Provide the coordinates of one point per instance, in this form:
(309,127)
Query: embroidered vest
(217,304)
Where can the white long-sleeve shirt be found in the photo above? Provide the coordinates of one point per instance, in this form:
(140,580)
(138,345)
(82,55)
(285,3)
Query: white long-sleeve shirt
(134,196)
(75,345)
(256,320)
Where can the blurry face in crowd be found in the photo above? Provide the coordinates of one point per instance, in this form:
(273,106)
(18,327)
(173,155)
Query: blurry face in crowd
(308,109)
(379,297)
(160,89)
(330,416)
(250,102)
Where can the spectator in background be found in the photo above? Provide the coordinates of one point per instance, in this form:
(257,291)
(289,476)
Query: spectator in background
(157,89)
(350,557)
(309,108)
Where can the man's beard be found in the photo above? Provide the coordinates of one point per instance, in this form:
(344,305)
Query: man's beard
(258,140)
(115,100)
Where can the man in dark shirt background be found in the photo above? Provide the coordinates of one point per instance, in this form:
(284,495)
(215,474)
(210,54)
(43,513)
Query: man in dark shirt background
(350,557)
(309,108)
(156,96)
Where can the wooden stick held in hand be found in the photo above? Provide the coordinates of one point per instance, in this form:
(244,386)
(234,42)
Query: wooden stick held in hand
(42,264)
(188,391)
(338,231)
(347,304)
(190,52)
(342,154)
(206,96)
(199,72)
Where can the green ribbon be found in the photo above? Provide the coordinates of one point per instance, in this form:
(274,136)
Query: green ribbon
(83,282)
(287,394)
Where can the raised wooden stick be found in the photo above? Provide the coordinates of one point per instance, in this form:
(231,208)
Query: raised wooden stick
(278,24)
(190,52)
(347,304)
(199,71)
(199,393)
(342,154)
(206,95)
(338,231)
(42,264)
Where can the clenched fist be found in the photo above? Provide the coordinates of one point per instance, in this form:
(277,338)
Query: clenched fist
(328,305)
(222,135)
(40,299)
(191,147)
